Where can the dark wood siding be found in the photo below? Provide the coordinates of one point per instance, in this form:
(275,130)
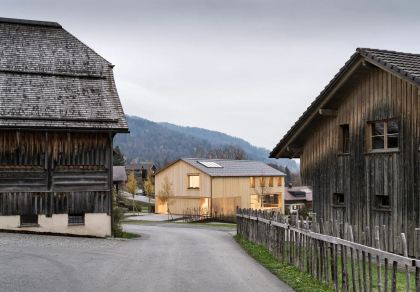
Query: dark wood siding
(360,175)
(54,172)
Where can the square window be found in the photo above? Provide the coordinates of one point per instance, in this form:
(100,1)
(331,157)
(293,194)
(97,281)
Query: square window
(383,135)
(383,201)
(76,219)
(194,181)
(338,199)
(28,220)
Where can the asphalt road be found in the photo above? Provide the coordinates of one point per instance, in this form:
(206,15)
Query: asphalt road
(165,258)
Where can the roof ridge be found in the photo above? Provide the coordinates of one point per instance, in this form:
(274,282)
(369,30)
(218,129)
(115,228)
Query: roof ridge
(387,51)
(30,22)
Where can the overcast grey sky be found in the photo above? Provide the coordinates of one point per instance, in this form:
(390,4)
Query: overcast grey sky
(247,68)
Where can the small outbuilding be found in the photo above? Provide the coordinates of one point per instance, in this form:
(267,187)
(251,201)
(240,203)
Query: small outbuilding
(213,185)
(295,198)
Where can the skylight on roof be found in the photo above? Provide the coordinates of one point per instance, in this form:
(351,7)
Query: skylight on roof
(305,190)
(210,164)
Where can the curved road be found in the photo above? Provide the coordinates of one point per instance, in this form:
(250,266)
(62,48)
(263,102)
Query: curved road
(167,257)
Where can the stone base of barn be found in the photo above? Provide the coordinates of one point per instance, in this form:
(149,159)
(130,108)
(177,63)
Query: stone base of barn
(95,224)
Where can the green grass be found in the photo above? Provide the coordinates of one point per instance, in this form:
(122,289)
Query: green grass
(129,235)
(198,223)
(289,274)
(137,203)
(292,275)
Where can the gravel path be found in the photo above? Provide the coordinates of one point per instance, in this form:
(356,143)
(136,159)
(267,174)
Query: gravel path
(167,257)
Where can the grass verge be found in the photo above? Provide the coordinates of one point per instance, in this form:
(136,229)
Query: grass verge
(129,235)
(289,274)
(205,224)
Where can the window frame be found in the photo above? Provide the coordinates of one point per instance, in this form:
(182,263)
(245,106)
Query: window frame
(279,181)
(262,181)
(252,182)
(339,199)
(379,202)
(22,224)
(270,182)
(370,136)
(188,181)
(76,223)
(345,129)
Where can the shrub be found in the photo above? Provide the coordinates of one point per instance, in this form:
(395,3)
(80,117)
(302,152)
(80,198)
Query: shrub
(118,217)
(287,211)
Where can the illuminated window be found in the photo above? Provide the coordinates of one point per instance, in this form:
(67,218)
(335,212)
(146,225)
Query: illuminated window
(262,181)
(270,182)
(279,181)
(252,182)
(194,181)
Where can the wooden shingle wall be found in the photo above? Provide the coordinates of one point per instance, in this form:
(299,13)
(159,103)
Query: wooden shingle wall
(360,175)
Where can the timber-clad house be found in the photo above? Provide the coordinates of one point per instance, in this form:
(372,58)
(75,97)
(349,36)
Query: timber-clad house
(59,112)
(221,185)
(358,144)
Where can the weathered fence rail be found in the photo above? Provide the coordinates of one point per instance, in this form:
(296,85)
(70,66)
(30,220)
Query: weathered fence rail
(334,253)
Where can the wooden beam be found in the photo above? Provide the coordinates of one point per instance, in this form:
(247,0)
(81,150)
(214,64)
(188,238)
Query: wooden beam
(295,149)
(328,113)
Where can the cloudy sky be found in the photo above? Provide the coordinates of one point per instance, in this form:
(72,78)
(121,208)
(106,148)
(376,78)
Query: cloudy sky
(248,68)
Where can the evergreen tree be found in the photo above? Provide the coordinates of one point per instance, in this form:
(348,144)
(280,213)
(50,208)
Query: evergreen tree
(288,178)
(118,159)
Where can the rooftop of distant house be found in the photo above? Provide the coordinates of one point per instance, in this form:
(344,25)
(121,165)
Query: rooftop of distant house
(300,193)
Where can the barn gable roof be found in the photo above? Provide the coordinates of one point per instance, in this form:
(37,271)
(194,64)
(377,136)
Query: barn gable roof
(51,80)
(404,65)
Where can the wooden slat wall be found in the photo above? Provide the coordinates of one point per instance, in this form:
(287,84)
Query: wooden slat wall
(25,203)
(181,205)
(226,205)
(362,176)
(73,177)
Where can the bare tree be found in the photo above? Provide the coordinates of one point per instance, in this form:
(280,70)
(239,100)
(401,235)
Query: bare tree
(166,194)
(262,189)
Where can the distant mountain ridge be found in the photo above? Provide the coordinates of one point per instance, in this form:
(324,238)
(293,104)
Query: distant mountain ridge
(160,142)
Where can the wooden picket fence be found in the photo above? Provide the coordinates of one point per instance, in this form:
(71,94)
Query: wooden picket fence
(320,249)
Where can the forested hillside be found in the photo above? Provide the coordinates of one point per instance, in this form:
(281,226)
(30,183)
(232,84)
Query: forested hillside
(164,142)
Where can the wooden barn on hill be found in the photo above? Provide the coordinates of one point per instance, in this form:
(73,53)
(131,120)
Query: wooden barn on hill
(59,112)
(358,144)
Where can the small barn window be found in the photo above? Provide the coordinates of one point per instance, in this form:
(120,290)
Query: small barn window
(252,182)
(270,182)
(338,199)
(279,181)
(383,135)
(383,201)
(194,181)
(345,139)
(28,220)
(76,219)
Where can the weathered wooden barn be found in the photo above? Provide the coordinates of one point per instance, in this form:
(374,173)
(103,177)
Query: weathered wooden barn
(59,112)
(221,184)
(358,144)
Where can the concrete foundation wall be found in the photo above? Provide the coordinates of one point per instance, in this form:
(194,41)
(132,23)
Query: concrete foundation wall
(98,224)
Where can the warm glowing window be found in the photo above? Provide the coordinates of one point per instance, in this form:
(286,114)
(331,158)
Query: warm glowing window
(252,182)
(194,181)
(279,181)
(262,181)
(270,182)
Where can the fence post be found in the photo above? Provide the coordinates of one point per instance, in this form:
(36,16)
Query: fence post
(407,273)
(378,258)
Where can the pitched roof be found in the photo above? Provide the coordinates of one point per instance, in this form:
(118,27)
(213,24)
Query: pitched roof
(119,174)
(234,167)
(404,65)
(292,194)
(50,79)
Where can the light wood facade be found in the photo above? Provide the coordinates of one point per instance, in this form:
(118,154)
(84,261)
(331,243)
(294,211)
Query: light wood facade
(215,193)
